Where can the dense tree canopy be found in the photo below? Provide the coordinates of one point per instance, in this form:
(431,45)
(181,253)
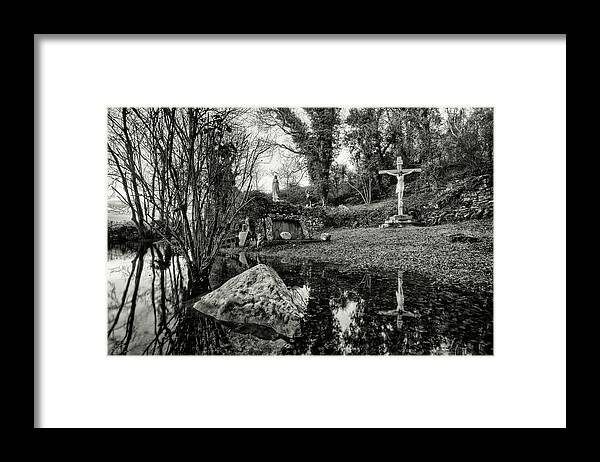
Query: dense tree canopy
(315,139)
(370,140)
(444,142)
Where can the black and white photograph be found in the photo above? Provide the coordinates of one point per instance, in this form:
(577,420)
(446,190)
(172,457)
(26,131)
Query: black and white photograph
(300,231)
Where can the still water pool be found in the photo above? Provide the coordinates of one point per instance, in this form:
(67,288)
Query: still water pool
(348,311)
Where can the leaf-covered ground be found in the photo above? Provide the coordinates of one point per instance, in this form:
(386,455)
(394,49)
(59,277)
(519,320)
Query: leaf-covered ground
(428,250)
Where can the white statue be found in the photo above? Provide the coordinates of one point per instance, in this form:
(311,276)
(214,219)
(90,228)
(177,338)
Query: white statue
(275,189)
(400,173)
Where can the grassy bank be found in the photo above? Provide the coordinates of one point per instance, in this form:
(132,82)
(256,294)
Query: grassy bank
(428,250)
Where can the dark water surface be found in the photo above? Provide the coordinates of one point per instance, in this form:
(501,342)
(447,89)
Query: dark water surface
(348,311)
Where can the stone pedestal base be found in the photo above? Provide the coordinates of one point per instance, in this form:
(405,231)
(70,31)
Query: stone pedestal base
(399,221)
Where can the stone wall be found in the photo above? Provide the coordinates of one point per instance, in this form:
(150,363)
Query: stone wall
(119,232)
(310,219)
(466,199)
(314,225)
(313,219)
(122,232)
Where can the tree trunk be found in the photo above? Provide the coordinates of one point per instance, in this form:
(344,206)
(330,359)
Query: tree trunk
(198,281)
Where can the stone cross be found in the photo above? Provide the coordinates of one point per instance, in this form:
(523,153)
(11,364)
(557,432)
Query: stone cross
(400,173)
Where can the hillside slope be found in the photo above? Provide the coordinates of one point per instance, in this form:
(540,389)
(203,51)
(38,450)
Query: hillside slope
(463,199)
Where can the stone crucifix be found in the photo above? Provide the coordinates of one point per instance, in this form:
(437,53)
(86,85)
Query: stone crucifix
(399,173)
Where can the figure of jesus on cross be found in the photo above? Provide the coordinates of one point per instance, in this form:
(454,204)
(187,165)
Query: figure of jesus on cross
(400,173)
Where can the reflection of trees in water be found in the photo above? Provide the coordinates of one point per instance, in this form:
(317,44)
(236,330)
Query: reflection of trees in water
(178,329)
(345,316)
(137,265)
(318,330)
(345,312)
(335,305)
(449,321)
(347,307)
(445,321)
(195,334)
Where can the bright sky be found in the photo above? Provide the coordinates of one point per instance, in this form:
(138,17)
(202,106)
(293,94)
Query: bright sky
(275,163)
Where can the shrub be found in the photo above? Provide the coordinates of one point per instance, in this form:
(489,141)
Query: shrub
(359,215)
(295,195)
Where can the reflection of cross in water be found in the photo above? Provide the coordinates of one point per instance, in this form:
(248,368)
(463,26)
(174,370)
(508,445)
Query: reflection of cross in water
(402,313)
(399,312)
(366,280)
(400,300)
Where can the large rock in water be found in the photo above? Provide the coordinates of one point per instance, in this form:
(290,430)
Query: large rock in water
(256,297)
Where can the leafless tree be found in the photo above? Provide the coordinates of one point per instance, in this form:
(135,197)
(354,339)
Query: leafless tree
(184,173)
(292,169)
